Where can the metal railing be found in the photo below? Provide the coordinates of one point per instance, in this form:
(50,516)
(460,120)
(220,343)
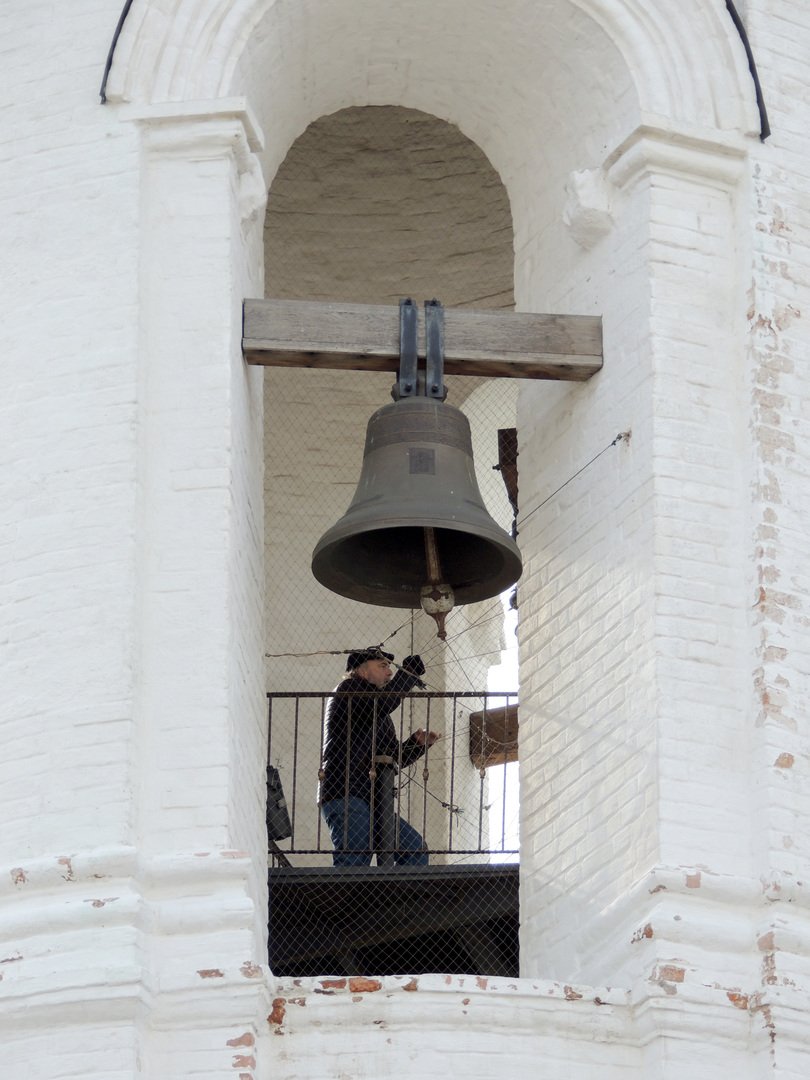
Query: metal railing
(448,795)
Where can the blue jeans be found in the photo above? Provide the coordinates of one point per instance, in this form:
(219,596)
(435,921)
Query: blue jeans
(349,822)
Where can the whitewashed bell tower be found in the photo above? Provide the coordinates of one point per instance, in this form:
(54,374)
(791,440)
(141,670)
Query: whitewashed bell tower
(664,605)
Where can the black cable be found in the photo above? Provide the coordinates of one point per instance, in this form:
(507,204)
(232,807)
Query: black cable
(108,65)
(764,126)
(622,436)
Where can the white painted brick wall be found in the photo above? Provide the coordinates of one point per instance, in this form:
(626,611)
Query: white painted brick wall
(72,208)
(779,298)
(67,342)
(589,773)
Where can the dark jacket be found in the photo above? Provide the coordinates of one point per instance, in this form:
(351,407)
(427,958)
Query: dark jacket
(360,727)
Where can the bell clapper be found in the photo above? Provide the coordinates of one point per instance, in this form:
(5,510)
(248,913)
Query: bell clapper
(436,597)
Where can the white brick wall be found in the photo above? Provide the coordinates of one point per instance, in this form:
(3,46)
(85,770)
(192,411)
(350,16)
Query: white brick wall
(67,342)
(113,482)
(779,292)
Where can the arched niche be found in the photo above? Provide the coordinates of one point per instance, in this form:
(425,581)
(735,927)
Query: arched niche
(371,204)
(550,88)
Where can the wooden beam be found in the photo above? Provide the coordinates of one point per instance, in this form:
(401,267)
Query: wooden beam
(365,337)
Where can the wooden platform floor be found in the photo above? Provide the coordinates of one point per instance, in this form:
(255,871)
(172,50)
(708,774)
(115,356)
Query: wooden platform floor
(460,919)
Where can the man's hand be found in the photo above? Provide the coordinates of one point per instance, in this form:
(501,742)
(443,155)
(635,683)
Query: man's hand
(425,738)
(413,665)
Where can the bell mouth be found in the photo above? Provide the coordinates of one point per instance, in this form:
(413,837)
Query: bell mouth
(386,565)
(417,479)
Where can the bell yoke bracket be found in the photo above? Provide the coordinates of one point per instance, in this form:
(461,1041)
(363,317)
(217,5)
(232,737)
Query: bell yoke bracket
(412,382)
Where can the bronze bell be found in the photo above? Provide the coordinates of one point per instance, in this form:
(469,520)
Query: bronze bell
(417,520)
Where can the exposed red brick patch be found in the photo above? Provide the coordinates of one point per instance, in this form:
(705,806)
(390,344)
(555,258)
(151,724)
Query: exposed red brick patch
(571,994)
(465,1001)
(412,985)
(643,932)
(766,942)
(245,1076)
(234,854)
(671,973)
(242,1040)
(785,760)
(210,973)
(251,970)
(18,876)
(278,1012)
(481,983)
(333,984)
(244,1061)
(693,880)
(65,860)
(299,1001)
(738,1000)
(358,984)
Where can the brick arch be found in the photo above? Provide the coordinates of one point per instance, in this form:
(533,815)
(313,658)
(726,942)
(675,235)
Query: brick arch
(687,64)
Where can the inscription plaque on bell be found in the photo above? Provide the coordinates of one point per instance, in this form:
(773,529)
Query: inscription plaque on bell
(421,460)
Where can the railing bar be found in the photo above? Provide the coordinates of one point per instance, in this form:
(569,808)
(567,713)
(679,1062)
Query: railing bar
(398,801)
(503,805)
(269,726)
(372,776)
(482,773)
(433,851)
(269,736)
(452,774)
(399,785)
(295,774)
(425,776)
(346,777)
(415,694)
(319,816)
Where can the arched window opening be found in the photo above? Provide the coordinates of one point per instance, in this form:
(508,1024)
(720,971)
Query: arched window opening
(373,204)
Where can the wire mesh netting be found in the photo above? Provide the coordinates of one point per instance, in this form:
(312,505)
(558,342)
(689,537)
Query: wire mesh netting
(373,205)
(459,796)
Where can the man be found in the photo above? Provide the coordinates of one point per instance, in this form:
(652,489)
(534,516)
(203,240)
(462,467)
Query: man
(359,728)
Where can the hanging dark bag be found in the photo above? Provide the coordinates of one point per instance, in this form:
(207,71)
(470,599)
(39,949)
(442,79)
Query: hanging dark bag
(278,820)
